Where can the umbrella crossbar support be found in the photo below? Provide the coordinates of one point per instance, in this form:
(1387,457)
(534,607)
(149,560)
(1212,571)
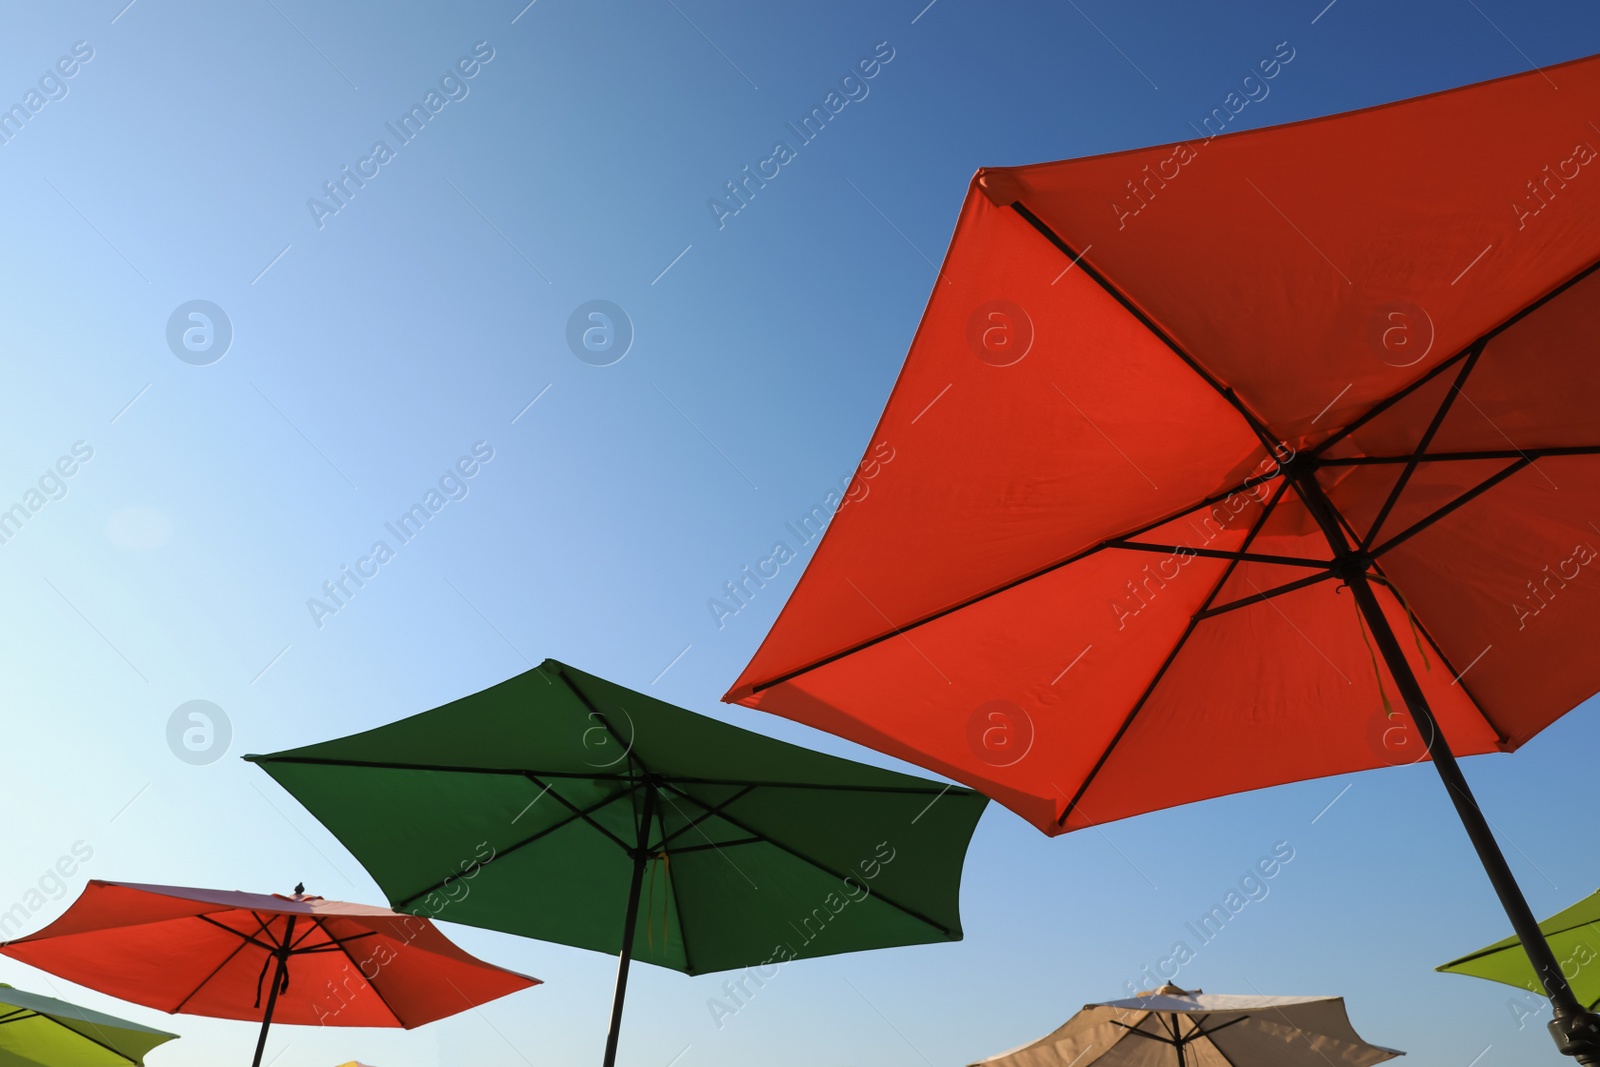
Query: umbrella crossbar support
(1576,1031)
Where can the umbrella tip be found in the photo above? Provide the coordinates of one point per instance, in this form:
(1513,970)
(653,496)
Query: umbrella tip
(299,888)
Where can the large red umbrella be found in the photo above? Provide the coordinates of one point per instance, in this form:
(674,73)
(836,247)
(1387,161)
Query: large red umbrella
(1208,457)
(288,959)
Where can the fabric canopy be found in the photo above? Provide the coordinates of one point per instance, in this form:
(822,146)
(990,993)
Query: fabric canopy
(38,1031)
(1213,1030)
(1081,586)
(207,952)
(1574,934)
(532,806)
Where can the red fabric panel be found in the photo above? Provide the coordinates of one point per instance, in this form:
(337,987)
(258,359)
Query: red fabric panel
(1316,270)
(1276,256)
(149,945)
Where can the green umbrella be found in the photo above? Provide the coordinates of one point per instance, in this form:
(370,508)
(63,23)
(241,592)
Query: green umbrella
(561,806)
(1574,936)
(40,1031)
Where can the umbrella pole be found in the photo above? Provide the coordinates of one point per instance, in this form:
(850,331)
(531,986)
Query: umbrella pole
(640,858)
(1576,1031)
(277,981)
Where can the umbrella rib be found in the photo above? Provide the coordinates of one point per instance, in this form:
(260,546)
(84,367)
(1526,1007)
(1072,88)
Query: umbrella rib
(1221,553)
(1144,1033)
(694,824)
(1422,445)
(1257,426)
(74,1030)
(1388,402)
(1465,457)
(803,858)
(1161,672)
(1527,309)
(384,765)
(317,920)
(1268,594)
(533,777)
(568,821)
(934,616)
(914,790)
(717,845)
(243,941)
(627,746)
(1471,494)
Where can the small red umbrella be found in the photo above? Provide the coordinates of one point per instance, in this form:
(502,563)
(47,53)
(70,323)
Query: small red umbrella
(296,959)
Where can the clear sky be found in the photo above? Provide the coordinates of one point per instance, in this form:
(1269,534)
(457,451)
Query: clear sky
(372,345)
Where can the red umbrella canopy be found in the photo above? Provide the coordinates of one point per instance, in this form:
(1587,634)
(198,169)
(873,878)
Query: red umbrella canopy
(1094,575)
(212,952)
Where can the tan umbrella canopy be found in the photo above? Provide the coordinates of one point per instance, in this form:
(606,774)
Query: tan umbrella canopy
(1168,1026)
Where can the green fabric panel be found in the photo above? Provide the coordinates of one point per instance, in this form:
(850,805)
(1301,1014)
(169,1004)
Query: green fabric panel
(37,1030)
(516,809)
(1574,936)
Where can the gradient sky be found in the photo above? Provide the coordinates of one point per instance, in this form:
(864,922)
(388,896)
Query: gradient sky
(371,351)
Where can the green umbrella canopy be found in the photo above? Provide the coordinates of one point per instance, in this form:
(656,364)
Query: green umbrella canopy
(1574,936)
(37,1031)
(520,809)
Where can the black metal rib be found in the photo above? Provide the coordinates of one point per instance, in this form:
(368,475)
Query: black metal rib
(908,789)
(533,777)
(1200,1031)
(1465,457)
(263,926)
(1266,594)
(74,1030)
(934,616)
(812,861)
(572,817)
(1257,426)
(694,824)
(1217,553)
(388,765)
(266,928)
(317,924)
(1471,494)
(1177,646)
(1483,339)
(627,746)
(708,846)
(1145,1033)
(1386,403)
(1422,445)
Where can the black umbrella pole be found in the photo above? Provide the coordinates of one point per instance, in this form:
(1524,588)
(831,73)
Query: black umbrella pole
(272,997)
(640,859)
(1576,1031)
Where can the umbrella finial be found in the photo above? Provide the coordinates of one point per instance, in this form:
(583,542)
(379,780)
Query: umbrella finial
(299,888)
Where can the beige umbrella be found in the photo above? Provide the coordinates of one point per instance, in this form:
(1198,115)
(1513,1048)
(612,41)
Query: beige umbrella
(1168,1026)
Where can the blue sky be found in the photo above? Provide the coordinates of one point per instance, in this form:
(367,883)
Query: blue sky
(373,346)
